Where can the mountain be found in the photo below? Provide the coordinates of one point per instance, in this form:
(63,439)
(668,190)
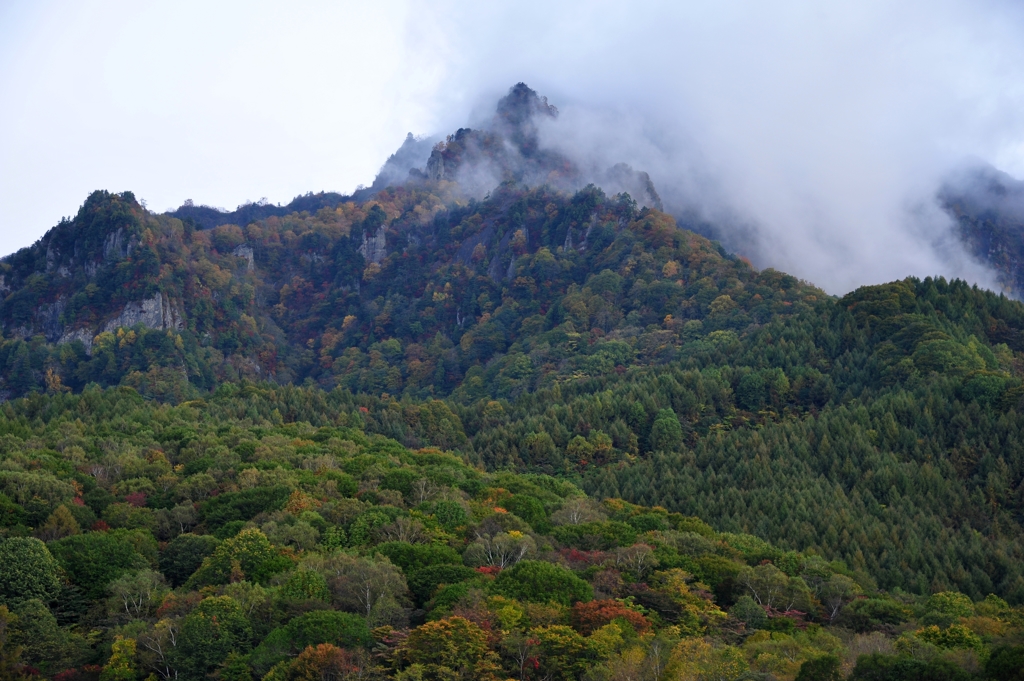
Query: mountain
(558,329)
(498,416)
(988,207)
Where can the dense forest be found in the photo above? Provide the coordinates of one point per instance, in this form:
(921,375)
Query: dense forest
(465,398)
(219,538)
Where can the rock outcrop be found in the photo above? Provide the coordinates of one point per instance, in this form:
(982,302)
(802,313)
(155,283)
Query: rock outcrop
(158,312)
(245,251)
(118,244)
(374,248)
(50,318)
(84,335)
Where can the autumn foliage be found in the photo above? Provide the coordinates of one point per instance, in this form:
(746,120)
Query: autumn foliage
(588,617)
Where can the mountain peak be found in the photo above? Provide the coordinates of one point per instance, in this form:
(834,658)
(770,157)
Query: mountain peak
(521,104)
(509,148)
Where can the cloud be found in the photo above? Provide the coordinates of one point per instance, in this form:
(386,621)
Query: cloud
(814,136)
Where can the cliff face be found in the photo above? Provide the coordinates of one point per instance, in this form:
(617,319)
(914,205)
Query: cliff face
(374,246)
(509,149)
(988,207)
(106,229)
(102,244)
(158,312)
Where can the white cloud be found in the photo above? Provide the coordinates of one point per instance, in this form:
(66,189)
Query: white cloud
(220,102)
(825,129)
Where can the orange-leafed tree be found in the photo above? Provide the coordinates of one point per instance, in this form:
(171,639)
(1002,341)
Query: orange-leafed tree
(589,617)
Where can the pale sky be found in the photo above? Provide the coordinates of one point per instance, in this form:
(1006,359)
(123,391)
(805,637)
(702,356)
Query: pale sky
(826,129)
(221,102)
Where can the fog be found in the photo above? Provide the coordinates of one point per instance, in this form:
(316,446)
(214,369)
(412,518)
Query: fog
(808,137)
(813,138)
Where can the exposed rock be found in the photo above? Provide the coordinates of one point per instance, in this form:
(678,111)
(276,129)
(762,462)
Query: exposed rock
(51,258)
(622,178)
(496,269)
(4,286)
(245,251)
(517,116)
(84,335)
(409,158)
(446,157)
(586,235)
(436,167)
(118,245)
(157,312)
(49,318)
(465,252)
(374,248)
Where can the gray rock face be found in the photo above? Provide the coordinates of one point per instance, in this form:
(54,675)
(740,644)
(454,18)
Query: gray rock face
(118,245)
(48,317)
(158,312)
(83,335)
(374,248)
(465,252)
(412,155)
(245,251)
(622,178)
(436,168)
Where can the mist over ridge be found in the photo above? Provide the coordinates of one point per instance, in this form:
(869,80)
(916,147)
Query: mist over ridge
(814,140)
(537,145)
(877,229)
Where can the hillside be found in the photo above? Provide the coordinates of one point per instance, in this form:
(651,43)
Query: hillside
(550,334)
(221,537)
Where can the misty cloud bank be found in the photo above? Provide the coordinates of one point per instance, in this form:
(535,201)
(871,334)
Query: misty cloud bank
(814,140)
(509,147)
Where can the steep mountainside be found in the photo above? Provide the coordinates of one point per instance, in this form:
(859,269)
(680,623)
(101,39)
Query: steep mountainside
(566,330)
(988,207)
(405,293)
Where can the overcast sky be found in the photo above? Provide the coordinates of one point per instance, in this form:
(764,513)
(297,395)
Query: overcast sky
(822,130)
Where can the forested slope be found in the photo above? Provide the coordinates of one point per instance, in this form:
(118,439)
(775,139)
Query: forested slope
(541,328)
(888,419)
(143,540)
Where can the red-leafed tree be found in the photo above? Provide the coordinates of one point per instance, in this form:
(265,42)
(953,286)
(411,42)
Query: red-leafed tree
(588,617)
